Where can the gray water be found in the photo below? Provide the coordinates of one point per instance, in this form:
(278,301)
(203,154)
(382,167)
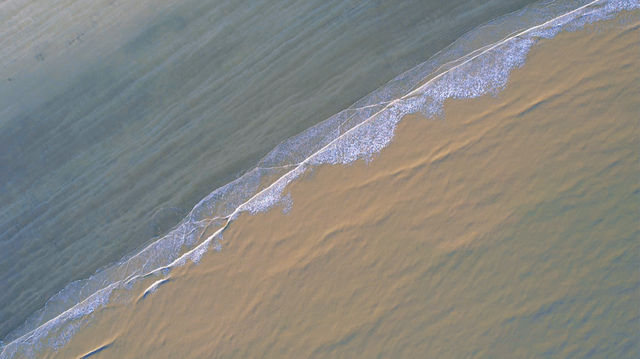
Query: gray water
(116,118)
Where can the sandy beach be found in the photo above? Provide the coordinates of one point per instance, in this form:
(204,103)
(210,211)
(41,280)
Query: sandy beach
(507,227)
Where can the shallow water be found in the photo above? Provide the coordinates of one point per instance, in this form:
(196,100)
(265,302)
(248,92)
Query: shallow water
(116,118)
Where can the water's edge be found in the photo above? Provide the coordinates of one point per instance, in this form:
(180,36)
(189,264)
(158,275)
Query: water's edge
(476,64)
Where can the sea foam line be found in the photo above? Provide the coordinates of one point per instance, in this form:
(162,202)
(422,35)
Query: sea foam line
(299,166)
(274,189)
(368,119)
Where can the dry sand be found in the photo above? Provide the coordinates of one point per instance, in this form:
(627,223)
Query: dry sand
(508,228)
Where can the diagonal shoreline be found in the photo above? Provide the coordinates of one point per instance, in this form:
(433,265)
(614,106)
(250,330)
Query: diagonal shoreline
(489,220)
(286,178)
(300,165)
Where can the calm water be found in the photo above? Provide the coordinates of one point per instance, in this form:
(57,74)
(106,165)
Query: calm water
(116,118)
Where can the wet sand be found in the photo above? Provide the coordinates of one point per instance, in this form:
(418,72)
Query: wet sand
(506,228)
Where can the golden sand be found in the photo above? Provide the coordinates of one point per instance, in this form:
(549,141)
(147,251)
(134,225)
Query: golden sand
(506,229)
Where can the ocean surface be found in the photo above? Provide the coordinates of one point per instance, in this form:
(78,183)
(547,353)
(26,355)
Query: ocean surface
(119,120)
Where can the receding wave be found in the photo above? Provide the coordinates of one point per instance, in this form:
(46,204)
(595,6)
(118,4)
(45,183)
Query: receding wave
(476,64)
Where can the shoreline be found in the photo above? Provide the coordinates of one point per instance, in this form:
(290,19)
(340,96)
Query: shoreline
(243,250)
(269,201)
